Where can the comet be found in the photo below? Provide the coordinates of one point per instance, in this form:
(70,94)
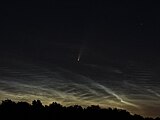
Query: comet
(81,50)
(79,56)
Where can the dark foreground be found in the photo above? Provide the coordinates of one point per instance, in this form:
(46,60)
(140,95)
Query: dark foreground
(24,111)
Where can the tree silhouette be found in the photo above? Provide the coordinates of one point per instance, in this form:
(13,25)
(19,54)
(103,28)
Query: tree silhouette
(25,111)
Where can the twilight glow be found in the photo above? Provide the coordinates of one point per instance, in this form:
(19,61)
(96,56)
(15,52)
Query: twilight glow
(21,81)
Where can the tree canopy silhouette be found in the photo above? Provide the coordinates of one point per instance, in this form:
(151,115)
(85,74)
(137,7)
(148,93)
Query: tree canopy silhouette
(26,111)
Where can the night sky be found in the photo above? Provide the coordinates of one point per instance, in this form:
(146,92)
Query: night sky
(82,52)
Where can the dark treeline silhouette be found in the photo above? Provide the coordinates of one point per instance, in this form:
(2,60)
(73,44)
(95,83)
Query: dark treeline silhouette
(25,111)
